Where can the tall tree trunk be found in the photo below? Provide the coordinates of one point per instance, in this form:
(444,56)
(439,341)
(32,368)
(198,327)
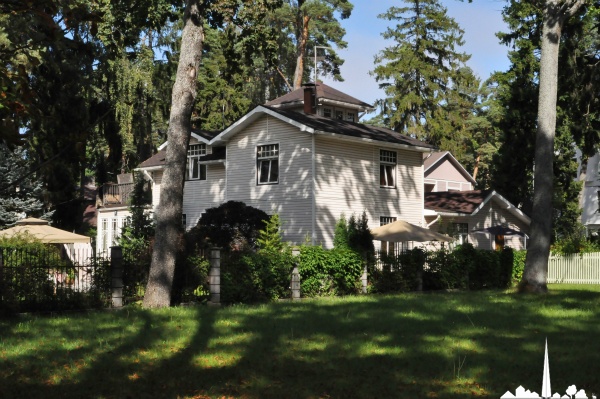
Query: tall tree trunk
(301,51)
(168,214)
(536,264)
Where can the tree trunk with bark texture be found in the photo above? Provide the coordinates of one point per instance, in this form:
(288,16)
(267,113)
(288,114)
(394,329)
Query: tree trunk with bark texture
(536,264)
(302,41)
(168,214)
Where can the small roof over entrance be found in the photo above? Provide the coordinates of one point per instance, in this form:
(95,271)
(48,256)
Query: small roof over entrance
(40,230)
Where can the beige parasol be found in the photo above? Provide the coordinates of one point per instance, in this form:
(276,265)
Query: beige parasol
(401,231)
(40,230)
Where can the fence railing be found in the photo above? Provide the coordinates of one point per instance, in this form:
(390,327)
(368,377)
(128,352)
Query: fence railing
(120,194)
(574,268)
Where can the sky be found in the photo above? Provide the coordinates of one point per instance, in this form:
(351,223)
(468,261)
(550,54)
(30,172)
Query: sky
(480,20)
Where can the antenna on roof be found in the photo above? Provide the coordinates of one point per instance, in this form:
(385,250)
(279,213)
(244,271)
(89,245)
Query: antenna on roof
(320,58)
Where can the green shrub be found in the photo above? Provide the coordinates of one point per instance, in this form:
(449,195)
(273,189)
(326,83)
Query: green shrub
(518,266)
(400,273)
(248,277)
(329,272)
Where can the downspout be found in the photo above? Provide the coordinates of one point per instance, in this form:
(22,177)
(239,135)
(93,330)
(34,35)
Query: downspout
(314,184)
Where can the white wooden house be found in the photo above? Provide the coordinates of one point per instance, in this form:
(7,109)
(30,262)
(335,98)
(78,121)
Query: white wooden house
(309,165)
(305,157)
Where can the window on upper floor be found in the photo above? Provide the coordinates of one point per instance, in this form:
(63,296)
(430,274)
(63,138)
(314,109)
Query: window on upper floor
(339,114)
(327,112)
(387,168)
(267,164)
(196,170)
(350,116)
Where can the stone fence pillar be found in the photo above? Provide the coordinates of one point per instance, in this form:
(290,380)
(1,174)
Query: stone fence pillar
(363,279)
(214,275)
(116,274)
(295,283)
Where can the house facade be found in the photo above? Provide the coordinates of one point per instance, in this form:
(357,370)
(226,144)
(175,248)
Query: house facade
(305,157)
(590,196)
(310,165)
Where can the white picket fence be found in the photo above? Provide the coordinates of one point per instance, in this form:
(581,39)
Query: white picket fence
(574,269)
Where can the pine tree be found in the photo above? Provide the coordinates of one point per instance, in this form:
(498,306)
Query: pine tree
(21,194)
(269,238)
(421,71)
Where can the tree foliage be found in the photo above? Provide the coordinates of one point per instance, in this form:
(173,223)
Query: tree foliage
(429,90)
(21,194)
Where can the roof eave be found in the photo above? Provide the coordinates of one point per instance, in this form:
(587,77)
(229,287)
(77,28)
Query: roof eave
(371,141)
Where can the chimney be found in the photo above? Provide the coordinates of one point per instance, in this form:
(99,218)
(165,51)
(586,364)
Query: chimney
(309,99)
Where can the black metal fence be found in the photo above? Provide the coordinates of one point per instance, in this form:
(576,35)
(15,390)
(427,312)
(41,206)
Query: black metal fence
(48,280)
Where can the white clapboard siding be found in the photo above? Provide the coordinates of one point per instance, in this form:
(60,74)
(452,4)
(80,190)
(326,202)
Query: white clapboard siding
(574,268)
(291,197)
(199,195)
(347,182)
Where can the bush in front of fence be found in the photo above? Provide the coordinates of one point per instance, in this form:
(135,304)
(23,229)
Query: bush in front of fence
(249,277)
(462,268)
(399,272)
(329,272)
(36,277)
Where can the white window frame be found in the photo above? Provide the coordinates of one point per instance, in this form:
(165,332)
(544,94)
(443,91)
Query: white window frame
(388,247)
(267,161)
(327,112)
(461,232)
(350,117)
(195,170)
(387,168)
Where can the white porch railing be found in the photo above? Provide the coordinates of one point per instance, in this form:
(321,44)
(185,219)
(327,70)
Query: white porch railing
(574,268)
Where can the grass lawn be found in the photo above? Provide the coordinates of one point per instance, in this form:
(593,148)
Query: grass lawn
(445,345)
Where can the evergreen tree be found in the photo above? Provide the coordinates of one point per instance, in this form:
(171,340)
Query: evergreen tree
(421,72)
(340,235)
(269,238)
(21,194)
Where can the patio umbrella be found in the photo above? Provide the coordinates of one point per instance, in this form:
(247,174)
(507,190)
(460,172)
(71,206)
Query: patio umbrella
(42,231)
(499,230)
(401,231)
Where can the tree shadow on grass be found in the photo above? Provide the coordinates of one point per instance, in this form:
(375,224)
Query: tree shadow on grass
(440,345)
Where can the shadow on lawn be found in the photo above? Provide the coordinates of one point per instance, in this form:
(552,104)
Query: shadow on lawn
(443,345)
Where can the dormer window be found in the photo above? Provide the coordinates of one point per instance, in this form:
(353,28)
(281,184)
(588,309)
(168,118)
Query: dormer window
(339,114)
(195,170)
(350,116)
(327,112)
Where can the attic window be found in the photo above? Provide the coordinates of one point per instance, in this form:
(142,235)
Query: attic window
(195,170)
(339,115)
(350,116)
(387,169)
(327,112)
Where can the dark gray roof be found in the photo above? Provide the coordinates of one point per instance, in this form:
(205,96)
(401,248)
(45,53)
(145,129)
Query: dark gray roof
(323,92)
(208,135)
(456,201)
(351,129)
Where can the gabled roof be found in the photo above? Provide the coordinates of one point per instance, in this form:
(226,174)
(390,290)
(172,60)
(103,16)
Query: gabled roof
(461,203)
(315,124)
(434,159)
(155,160)
(203,136)
(325,95)
(158,159)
